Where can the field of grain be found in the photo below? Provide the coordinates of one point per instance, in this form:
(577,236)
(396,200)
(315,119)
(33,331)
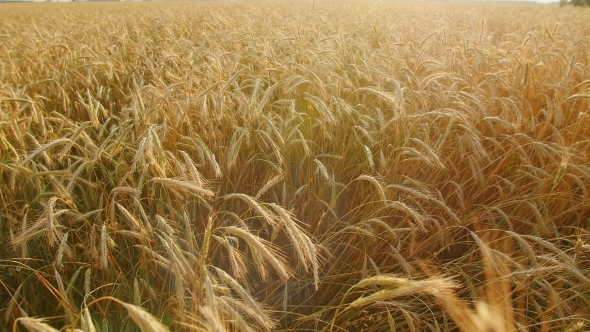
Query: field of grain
(364,166)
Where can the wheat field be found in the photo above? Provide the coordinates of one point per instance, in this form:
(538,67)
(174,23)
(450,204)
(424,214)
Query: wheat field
(357,166)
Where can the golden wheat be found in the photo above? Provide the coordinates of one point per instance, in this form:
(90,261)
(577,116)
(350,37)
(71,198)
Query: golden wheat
(361,165)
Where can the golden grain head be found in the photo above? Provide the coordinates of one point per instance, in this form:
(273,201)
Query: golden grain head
(36,324)
(144,320)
